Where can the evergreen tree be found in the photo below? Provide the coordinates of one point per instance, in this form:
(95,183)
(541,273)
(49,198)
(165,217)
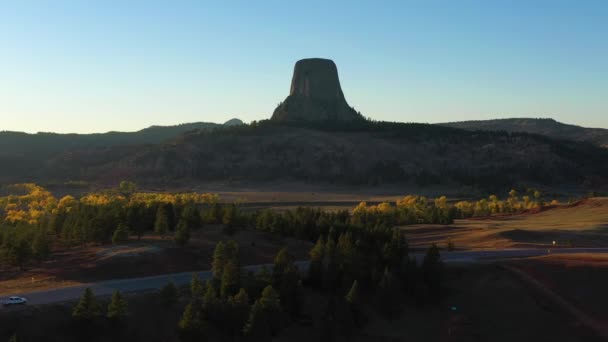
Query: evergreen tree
(161,225)
(388,295)
(230,219)
(127,188)
(121,234)
(346,258)
(219,259)
(432,270)
(118,307)
(352,297)
(394,252)
(41,246)
(257,327)
(353,300)
(182,234)
(230,279)
(17,251)
(87,308)
(211,302)
(315,269)
(192,326)
(330,268)
(191,216)
(272,306)
(265,316)
(286,278)
(135,220)
(196,287)
(262,278)
(239,309)
(169,294)
(282,261)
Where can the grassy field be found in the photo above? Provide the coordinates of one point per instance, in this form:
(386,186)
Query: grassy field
(581,279)
(150,256)
(584,224)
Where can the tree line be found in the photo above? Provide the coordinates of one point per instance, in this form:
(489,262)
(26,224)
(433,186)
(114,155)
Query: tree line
(34,222)
(354,271)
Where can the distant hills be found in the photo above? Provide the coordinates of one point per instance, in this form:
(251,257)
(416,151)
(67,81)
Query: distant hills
(367,153)
(491,155)
(23,155)
(42,142)
(547,127)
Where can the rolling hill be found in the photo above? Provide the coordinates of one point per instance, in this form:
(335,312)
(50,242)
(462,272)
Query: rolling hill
(548,127)
(363,154)
(24,154)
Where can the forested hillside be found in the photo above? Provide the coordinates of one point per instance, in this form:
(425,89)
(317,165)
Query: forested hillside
(548,127)
(366,153)
(373,154)
(22,153)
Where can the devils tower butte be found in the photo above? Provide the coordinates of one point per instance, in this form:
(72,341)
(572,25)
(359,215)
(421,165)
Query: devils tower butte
(315,95)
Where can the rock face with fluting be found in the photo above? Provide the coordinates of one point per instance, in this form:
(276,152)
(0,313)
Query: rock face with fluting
(315,95)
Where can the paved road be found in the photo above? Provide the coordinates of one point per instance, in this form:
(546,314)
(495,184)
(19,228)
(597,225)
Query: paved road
(105,288)
(496,254)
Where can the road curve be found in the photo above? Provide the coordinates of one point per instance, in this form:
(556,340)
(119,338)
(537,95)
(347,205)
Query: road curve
(105,288)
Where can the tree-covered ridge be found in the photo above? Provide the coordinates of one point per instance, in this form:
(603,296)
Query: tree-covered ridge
(547,127)
(375,153)
(363,152)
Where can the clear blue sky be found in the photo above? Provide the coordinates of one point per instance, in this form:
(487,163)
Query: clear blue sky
(91,66)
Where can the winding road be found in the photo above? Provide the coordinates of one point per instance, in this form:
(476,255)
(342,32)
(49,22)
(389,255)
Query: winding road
(134,285)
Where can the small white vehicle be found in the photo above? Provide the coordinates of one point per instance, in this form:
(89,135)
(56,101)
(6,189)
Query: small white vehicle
(14,301)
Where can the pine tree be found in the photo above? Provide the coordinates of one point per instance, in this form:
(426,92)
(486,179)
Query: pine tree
(239,309)
(191,216)
(388,295)
(230,219)
(230,280)
(315,269)
(265,316)
(121,234)
(263,278)
(353,300)
(211,303)
(87,308)
(169,294)
(138,226)
(219,259)
(118,307)
(257,327)
(41,246)
(286,278)
(345,258)
(182,233)
(282,261)
(352,297)
(272,306)
(432,270)
(192,326)
(394,252)
(330,268)
(196,287)
(17,251)
(161,225)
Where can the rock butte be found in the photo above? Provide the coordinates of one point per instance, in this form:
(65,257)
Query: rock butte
(315,95)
